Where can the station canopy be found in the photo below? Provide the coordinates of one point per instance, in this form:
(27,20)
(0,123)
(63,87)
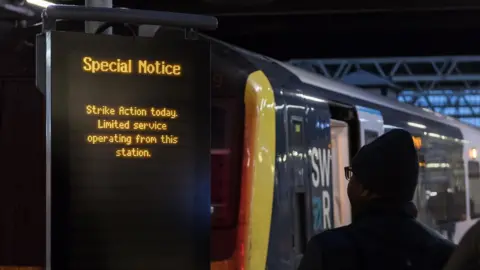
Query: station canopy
(447,84)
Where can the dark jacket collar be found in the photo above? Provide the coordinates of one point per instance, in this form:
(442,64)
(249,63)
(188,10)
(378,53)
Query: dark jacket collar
(383,207)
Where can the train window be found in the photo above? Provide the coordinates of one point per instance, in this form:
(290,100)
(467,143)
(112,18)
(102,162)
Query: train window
(222,204)
(227,135)
(441,191)
(370,136)
(474,185)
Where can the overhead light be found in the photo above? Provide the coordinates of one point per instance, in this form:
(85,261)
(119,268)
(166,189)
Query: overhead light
(17,9)
(40,3)
(412,124)
(472,153)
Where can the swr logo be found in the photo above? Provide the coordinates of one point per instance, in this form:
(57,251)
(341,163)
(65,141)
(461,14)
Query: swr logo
(321,160)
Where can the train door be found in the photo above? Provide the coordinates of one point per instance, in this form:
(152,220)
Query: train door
(296,170)
(319,165)
(340,159)
(371,124)
(345,141)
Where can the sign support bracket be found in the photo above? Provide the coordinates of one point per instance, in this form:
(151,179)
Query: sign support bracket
(129,16)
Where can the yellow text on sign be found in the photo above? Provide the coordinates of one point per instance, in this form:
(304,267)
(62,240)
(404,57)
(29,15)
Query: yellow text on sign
(139,127)
(130,66)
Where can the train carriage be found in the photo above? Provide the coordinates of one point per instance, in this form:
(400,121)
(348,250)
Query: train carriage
(282,137)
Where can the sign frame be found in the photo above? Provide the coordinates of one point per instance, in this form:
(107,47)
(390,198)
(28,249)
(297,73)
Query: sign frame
(45,82)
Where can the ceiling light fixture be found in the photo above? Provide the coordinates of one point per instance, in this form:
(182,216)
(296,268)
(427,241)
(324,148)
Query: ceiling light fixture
(40,3)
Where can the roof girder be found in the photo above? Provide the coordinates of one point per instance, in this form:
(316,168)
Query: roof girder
(419,73)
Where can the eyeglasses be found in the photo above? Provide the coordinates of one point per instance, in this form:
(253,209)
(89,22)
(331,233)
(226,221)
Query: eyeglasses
(348,173)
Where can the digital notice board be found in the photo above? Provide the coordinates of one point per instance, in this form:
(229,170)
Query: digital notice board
(128,151)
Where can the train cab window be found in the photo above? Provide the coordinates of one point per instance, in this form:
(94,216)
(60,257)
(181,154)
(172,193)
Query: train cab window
(370,136)
(225,153)
(474,186)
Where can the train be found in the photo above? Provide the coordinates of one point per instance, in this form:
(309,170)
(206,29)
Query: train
(281,137)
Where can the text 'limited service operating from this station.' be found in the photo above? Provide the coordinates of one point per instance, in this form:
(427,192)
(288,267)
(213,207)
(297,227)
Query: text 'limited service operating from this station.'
(142,129)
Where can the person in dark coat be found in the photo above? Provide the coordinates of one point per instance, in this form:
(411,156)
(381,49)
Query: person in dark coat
(384,233)
(467,254)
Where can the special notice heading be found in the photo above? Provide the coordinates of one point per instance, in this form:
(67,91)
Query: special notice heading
(130,66)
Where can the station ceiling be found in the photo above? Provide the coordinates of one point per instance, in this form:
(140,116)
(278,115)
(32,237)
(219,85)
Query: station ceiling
(287,29)
(340,28)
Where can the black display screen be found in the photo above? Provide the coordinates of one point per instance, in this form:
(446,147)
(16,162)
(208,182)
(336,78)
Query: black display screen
(128,159)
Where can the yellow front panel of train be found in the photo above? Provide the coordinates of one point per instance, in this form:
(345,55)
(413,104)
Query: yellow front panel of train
(260,164)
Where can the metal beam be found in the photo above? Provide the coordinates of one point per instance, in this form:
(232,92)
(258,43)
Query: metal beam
(437,83)
(435,78)
(459,104)
(460,116)
(419,73)
(407,59)
(445,93)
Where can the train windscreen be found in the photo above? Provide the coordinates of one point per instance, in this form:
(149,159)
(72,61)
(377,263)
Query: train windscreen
(226,163)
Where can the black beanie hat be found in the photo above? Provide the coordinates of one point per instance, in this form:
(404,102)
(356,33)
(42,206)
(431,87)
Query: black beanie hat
(388,166)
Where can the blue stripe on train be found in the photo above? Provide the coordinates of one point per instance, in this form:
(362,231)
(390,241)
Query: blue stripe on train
(368,110)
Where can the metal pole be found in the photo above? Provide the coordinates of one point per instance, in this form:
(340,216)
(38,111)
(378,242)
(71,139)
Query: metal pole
(90,27)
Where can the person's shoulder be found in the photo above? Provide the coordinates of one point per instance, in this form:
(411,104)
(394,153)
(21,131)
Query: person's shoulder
(328,250)
(332,238)
(438,249)
(473,233)
(471,238)
(467,252)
